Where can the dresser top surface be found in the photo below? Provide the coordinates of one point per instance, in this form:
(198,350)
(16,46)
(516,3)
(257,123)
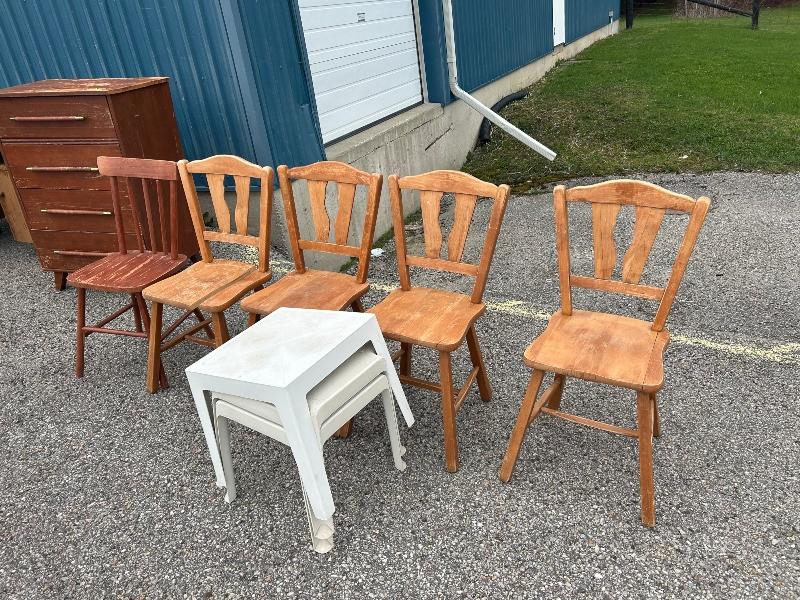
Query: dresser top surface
(80,87)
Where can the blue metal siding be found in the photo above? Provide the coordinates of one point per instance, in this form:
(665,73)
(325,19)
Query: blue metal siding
(495,38)
(492,39)
(586,16)
(188,41)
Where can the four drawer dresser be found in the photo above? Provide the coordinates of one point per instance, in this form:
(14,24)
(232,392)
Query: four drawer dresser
(51,133)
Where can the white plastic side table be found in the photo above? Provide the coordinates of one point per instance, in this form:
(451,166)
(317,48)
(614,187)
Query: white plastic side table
(279,360)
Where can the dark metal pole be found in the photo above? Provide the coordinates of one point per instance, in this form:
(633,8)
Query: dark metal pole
(756,10)
(629,14)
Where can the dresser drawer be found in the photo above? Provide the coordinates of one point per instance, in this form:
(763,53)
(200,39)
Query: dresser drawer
(56,117)
(70,250)
(65,165)
(74,210)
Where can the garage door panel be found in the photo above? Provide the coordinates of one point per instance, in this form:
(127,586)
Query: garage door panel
(334,79)
(322,17)
(340,122)
(354,92)
(323,39)
(364,61)
(335,58)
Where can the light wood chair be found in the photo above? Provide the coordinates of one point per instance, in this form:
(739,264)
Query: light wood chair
(213,285)
(606,348)
(435,318)
(311,288)
(129,271)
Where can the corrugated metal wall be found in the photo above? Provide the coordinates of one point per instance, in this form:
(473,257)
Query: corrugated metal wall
(586,16)
(497,37)
(187,40)
(492,39)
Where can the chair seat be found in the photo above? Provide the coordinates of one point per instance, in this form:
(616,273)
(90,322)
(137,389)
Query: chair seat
(427,317)
(601,347)
(320,290)
(211,286)
(129,273)
(329,395)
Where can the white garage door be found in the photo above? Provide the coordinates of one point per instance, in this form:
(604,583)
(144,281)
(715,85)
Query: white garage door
(363,58)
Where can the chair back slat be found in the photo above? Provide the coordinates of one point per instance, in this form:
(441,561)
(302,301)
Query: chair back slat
(465,207)
(347,196)
(319,214)
(646,227)
(118,224)
(651,203)
(604,219)
(242,183)
(347,178)
(466,190)
(430,203)
(216,187)
(151,216)
(136,217)
(162,213)
(216,169)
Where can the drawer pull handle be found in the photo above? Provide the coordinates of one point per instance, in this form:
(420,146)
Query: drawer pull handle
(63,169)
(46,119)
(79,253)
(69,211)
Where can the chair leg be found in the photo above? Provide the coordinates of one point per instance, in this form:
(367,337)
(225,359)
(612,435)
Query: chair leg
(154,347)
(345,430)
(448,412)
(394,434)
(527,413)
(484,387)
(252,319)
(81,337)
(644,417)
(656,418)
(405,358)
(139,302)
(357,306)
(221,334)
(555,399)
(137,317)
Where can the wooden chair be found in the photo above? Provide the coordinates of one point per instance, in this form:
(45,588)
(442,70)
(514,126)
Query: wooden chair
(213,285)
(601,347)
(435,318)
(131,271)
(315,289)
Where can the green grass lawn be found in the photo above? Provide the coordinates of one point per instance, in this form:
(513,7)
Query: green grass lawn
(670,95)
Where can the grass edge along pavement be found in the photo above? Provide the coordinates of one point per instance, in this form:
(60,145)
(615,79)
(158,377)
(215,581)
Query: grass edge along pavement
(669,95)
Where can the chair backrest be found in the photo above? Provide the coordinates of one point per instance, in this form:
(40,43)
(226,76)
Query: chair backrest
(145,179)
(651,203)
(216,169)
(467,190)
(347,179)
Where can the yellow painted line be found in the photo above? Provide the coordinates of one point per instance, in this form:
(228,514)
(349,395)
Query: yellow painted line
(783,353)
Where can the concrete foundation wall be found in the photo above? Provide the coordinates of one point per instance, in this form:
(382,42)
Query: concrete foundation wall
(424,138)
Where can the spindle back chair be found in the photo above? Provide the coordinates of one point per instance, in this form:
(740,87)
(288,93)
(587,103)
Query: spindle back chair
(131,270)
(213,284)
(435,318)
(602,347)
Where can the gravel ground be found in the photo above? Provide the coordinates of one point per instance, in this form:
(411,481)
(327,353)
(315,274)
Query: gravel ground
(108,491)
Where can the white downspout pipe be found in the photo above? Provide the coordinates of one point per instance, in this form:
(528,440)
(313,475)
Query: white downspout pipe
(474,103)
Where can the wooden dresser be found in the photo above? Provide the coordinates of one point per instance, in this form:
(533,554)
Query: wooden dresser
(51,133)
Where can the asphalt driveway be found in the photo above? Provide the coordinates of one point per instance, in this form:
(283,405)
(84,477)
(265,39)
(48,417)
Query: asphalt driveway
(108,491)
